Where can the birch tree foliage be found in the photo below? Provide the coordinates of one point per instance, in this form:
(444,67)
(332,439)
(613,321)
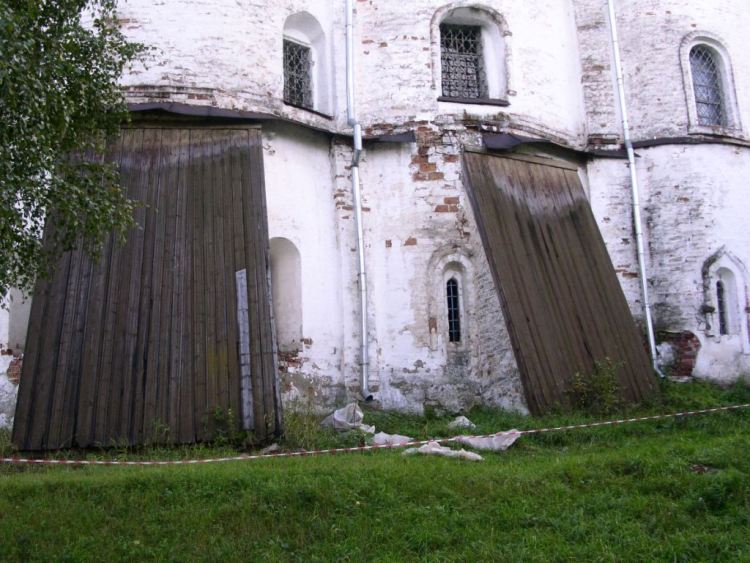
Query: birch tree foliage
(60,62)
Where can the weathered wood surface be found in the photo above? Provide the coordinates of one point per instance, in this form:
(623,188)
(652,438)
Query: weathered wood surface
(143,346)
(560,295)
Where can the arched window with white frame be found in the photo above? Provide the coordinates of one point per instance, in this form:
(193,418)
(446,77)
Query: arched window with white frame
(306,64)
(709,85)
(726,298)
(471,54)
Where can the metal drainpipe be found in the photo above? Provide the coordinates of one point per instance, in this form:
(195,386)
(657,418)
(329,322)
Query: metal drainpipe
(634,188)
(357,197)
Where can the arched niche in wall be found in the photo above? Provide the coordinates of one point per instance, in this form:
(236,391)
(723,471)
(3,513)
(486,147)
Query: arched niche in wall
(726,298)
(286,286)
(708,80)
(306,58)
(493,49)
(452,299)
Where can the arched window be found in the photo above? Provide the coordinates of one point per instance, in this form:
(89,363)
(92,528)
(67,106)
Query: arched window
(471,45)
(726,303)
(454,311)
(721,304)
(286,287)
(707,86)
(306,64)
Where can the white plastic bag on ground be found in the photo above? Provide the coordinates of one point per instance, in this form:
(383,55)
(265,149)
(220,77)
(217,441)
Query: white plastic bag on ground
(461,422)
(498,443)
(383,439)
(346,418)
(433,448)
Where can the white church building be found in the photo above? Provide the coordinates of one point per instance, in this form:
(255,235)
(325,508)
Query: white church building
(429,80)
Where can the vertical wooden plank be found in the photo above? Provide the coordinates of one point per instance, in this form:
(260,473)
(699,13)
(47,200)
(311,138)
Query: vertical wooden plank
(30,378)
(250,220)
(190,393)
(157,400)
(60,428)
(239,262)
(111,398)
(222,269)
(231,383)
(256,224)
(243,324)
(198,153)
(180,355)
(211,281)
(131,296)
(49,352)
(146,300)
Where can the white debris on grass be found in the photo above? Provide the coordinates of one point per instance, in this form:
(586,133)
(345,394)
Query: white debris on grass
(347,418)
(461,422)
(498,442)
(383,439)
(272,449)
(434,448)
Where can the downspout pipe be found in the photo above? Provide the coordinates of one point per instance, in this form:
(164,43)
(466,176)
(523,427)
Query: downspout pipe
(615,41)
(351,113)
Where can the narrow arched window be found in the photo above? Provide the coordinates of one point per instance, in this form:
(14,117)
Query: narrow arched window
(721,305)
(306,60)
(454,312)
(707,86)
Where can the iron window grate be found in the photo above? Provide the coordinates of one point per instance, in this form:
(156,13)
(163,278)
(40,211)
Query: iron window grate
(709,98)
(297,75)
(454,314)
(463,73)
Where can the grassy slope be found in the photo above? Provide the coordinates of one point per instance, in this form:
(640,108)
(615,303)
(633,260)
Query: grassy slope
(627,493)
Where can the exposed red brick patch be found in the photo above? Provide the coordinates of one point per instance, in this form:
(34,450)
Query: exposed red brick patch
(446,208)
(14,370)
(411,241)
(686,346)
(453,200)
(450,158)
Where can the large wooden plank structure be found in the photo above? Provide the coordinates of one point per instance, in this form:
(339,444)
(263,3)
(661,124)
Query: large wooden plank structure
(560,295)
(144,345)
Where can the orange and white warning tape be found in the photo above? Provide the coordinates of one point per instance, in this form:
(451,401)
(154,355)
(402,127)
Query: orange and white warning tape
(332,451)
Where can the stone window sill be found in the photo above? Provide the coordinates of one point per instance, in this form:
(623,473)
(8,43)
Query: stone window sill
(310,110)
(716,131)
(476,101)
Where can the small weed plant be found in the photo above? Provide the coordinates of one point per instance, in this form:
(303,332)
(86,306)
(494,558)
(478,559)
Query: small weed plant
(598,392)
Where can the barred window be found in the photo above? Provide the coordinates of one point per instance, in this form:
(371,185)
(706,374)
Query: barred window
(462,62)
(297,75)
(707,87)
(721,302)
(454,313)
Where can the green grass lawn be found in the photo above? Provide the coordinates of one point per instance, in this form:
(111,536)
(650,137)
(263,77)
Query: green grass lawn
(673,490)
